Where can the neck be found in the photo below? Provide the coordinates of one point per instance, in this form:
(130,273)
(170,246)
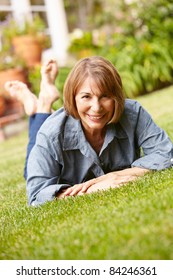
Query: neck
(95,138)
(94,133)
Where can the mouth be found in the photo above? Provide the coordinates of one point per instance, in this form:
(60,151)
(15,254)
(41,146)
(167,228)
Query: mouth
(94,117)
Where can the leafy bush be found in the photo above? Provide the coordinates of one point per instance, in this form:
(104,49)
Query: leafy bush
(144,66)
(141,48)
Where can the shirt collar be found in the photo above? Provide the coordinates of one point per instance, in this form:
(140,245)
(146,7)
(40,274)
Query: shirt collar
(74,137)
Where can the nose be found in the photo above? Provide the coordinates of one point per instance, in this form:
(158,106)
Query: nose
(96,105)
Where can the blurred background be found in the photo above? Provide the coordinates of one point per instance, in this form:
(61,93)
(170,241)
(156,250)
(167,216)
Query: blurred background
(135,35)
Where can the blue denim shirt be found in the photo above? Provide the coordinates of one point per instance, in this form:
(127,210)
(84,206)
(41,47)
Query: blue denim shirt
(62,156)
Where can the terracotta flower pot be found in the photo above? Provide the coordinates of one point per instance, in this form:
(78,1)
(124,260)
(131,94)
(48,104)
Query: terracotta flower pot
(28,48)
(2,105)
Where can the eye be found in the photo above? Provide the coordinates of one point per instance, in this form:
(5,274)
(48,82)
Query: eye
(85,96)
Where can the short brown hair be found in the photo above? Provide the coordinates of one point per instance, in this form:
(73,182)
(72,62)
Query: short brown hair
(106,77)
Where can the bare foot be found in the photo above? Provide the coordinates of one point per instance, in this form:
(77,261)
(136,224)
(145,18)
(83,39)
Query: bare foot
(21,92)
(49,71)
(48,91)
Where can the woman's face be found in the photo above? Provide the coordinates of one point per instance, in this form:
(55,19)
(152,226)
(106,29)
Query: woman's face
(95,108)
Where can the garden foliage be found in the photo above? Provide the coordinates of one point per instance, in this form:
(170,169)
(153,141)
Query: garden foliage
(139,44)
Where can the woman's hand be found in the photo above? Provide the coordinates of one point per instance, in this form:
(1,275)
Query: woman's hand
(110,180)
(104,182)
(72,191)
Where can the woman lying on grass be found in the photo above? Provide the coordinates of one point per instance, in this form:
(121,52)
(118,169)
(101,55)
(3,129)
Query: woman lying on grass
(95,141)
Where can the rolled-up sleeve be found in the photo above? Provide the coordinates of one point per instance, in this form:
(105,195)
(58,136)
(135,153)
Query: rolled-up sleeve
(156,146)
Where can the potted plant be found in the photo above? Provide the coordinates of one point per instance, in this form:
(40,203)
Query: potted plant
(12,67)
(20,48)
(28,40)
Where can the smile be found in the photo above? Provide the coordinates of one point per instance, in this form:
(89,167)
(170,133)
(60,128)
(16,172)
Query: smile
(95,117)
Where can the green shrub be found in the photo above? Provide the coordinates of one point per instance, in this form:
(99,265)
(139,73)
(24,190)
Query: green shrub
(144,66)
(142,48)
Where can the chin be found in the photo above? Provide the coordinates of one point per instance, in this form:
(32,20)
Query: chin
(96,126)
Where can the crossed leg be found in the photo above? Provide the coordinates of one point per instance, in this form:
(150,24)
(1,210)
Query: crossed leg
(48,91)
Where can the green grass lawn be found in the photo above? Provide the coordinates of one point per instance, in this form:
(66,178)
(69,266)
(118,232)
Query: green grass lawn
(132,222)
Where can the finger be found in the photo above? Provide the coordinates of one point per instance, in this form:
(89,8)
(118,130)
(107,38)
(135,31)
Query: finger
(80,193)
(88,184)
(76,190)
(68,191)
(73,190)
